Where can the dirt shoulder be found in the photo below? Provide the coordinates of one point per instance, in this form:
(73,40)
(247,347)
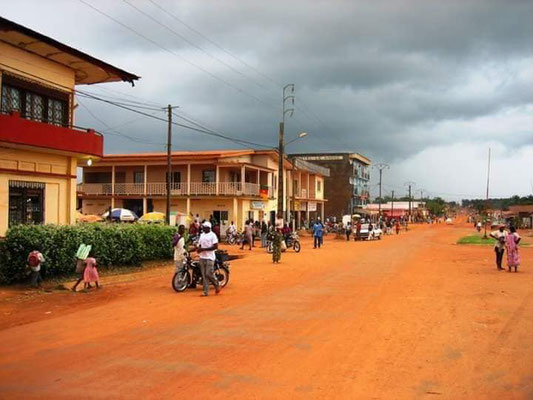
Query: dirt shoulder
(409,316)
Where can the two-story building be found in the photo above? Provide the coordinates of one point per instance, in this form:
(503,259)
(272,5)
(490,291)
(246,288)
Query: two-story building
(347,183)
(230,185)
(40,146)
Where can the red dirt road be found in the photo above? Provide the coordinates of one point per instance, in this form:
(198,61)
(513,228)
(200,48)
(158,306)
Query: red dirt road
(411,316)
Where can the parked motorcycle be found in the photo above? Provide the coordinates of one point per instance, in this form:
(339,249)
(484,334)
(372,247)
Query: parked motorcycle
(231,238)
(292,241)
(189,275)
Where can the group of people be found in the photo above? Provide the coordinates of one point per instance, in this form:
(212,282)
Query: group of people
(506,241)
(206,246)
(85,270)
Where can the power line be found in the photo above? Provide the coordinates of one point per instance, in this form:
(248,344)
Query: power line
(238,89)
(191,43)
(211,132)
(131,108)
(113,131)
(173,16)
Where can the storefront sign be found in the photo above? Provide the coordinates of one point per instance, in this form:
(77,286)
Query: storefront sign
(303,206)
(257,205)
(297,205)
(312,205)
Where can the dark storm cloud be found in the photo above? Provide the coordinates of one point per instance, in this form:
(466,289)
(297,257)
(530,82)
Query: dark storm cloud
(414,74)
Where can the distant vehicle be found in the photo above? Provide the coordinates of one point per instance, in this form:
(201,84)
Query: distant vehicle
(367,234)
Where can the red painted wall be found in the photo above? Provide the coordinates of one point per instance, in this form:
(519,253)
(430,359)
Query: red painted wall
(17,130)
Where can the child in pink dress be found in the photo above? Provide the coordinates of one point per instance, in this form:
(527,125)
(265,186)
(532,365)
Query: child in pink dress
(91,273)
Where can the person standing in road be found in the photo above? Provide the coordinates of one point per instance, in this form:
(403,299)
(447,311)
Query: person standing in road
(248,235)
(318,231)
(277,238)
(264,233)
(207,244)
(358,230)
(348,230)
(499,246)
(180,252)
(511,245)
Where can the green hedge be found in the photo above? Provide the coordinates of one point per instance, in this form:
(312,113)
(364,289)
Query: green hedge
(112,244)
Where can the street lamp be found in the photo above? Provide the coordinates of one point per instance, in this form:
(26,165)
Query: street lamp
(300,136)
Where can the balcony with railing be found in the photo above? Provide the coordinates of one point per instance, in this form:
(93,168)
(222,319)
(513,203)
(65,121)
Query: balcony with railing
(21,131)
(176,189)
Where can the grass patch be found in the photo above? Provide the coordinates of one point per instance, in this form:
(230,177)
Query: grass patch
(476,239)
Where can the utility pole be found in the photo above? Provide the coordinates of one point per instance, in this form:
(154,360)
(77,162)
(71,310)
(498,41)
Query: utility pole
(380,167)
(409,184)
(487,197)
(169,160)
(281,148)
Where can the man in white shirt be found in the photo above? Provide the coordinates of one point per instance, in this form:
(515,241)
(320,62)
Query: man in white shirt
(207,244)
(499,246)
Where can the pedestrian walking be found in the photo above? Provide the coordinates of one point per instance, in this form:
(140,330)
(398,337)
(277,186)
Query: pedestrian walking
(511,245)
(207,244)
(248,235)
(277,238)
(90,274)
(35,259)
(264,233)
(499,246)
(348,231)
(318,231)
(397,227)
(81,256)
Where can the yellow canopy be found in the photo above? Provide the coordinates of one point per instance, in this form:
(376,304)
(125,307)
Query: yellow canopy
(153,217)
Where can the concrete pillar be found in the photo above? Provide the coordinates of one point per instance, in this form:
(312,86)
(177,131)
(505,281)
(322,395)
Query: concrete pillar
(236,211)
(322,211)
(112,186)
(188,209)
(307,212)
(243,177)
(145,205)
(217,172)
(145,180)
(188,179)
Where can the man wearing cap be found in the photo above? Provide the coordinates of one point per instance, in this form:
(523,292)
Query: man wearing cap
(207,244)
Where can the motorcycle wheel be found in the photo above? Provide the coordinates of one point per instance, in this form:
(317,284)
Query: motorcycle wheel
(222,275)
(270,248)
(180,281)
(231,240)
(296,246)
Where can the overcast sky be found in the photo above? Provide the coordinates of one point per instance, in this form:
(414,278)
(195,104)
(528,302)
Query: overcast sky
(425,86)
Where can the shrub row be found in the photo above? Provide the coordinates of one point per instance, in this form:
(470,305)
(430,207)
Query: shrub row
(112,244)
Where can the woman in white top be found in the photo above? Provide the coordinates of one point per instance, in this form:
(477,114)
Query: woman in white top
(180,251)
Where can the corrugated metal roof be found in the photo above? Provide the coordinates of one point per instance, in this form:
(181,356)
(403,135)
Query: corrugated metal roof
(87,69)
(310,167)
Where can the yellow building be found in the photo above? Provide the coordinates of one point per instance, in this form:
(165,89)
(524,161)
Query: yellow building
(230,185)
(40,148)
